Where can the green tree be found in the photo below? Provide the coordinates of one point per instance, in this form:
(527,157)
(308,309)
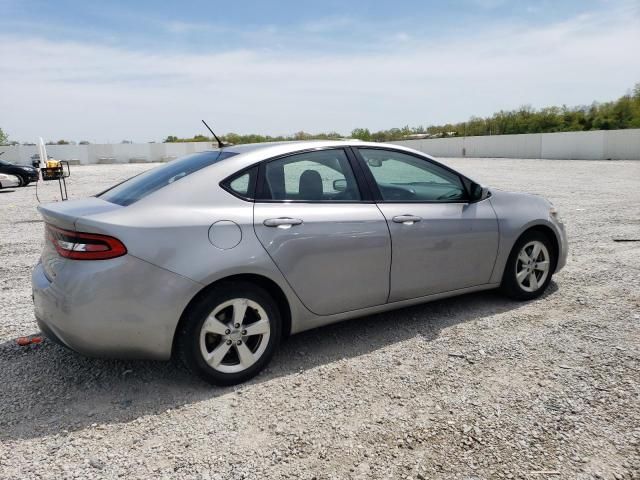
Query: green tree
(200,138)
(4,138)
(361,134)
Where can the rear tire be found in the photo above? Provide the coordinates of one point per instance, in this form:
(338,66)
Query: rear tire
(229,335)
(529,268)
(21,181)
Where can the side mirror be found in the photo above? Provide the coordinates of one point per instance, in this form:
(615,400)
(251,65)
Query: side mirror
(479,192)
(340,185)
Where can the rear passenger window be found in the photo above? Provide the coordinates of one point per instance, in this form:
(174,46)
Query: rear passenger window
(323,175)
(242,185)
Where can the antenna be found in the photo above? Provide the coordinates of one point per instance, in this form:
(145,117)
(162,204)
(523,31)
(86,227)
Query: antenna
(220,143)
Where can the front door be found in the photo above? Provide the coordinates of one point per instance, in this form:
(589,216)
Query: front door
(332,247)
(441,242)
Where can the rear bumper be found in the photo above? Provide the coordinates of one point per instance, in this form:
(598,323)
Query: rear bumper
(119,308)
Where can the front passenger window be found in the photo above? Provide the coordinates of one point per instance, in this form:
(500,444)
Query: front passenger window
(322,175)
(404,178)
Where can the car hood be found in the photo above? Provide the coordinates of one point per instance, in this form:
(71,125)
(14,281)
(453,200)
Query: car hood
(506,196)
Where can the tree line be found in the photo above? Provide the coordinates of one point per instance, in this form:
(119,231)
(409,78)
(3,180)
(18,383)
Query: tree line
(237,139)
(619,114)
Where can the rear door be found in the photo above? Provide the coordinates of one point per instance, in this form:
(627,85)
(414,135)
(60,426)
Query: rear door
(441,241)
(329,241)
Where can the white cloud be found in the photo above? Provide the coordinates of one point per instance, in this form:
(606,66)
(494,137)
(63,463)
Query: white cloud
(59,89)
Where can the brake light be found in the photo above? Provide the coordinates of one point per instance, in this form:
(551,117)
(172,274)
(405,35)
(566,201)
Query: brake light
(84,246)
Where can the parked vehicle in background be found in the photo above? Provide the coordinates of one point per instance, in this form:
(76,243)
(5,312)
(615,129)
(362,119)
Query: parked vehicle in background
(25,173)
(213,258)
(8,181)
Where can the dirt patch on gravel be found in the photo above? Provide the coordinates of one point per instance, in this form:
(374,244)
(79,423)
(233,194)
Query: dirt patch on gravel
(467,388)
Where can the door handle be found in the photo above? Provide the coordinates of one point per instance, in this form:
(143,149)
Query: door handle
(406,219)
(282,222)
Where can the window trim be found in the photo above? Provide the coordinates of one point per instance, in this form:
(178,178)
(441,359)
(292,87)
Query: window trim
(373,184)
(365,193)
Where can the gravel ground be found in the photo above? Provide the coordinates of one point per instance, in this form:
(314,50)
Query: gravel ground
(471,387)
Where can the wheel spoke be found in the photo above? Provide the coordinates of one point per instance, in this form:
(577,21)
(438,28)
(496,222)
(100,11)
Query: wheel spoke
(523,257)
(258,328)
(215,358)
(245,355)
(213,325)
(239,311)
(542,266)
(536,251)
(522,275)
(533,281)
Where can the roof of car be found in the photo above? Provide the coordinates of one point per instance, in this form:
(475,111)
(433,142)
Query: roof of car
(294,144)
(249,154)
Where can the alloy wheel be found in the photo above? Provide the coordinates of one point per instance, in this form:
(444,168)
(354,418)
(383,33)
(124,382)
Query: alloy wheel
(234,335)
(532,266)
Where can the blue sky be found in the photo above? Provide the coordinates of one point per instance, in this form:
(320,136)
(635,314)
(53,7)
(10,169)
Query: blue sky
(106,71)
(205,26)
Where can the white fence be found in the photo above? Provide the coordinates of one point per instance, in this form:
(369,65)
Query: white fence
(595,145)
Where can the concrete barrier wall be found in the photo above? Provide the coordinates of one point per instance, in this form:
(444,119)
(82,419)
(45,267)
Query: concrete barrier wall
(622,144)
(595,145)
(443,147)
(107,153)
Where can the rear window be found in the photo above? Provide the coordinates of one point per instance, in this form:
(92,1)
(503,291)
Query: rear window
(132,190)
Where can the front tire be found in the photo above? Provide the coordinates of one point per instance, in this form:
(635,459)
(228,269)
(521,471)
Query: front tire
(529,267)
(230,335)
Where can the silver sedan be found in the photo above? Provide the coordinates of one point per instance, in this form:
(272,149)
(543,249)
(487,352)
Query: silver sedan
(216,257)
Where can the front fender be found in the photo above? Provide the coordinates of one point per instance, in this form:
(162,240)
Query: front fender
(517,213)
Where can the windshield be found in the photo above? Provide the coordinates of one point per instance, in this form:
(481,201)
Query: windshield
(132,190)
(4,162)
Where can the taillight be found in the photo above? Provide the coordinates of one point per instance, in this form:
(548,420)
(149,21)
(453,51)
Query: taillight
(84,246)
